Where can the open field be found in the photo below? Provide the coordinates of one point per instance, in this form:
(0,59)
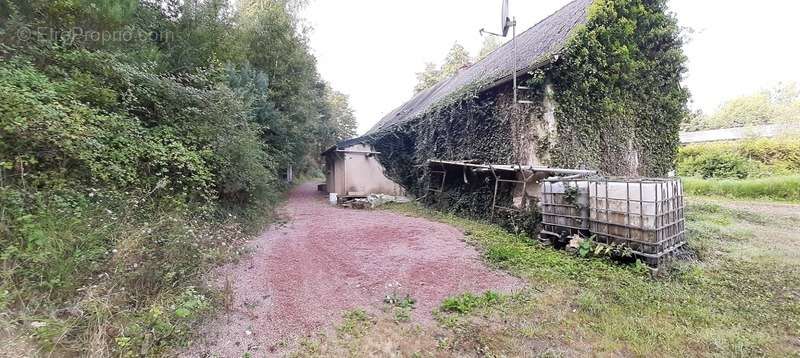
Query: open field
(738,296)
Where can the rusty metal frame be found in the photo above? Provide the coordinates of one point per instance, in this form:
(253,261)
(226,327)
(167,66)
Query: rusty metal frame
(443,173)
(673,214)
(526,172)
(525,178)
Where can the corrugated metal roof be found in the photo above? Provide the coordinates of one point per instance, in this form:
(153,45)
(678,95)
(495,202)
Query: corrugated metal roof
(535,47)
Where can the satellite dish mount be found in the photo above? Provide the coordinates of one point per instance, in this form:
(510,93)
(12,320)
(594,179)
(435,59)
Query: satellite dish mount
(507,22)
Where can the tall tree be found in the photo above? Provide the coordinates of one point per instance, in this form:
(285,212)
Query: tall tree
(428,77)
(776,105)
(274,45)
(457,58)
(342,116)
(490,43)
(336,121)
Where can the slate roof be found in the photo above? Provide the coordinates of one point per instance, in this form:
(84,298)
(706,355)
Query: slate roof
(536,46)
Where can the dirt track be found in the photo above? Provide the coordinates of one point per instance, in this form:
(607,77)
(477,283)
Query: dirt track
(325,260)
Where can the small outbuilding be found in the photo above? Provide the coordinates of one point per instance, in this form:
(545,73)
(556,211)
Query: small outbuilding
(352,169)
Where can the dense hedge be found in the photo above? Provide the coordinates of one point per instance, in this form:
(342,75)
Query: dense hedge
(741,159)
(143,130)
(764,168)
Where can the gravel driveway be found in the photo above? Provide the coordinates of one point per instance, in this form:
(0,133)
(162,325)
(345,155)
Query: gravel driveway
(325,260)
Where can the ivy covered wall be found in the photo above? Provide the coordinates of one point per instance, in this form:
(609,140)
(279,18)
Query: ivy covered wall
(617,85)
(613,93)
(472,126)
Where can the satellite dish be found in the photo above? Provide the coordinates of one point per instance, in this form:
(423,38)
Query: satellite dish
(505,21)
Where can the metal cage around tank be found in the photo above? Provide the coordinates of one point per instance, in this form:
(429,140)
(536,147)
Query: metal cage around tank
(565,212)
(645,214)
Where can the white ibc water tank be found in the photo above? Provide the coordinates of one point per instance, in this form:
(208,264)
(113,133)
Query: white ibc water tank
(333,198)
(562,211)
(633,202)
(645,214)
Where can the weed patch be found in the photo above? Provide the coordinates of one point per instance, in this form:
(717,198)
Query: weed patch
(467,302)
(361,334)
(355,325)
(104,276)
(401,305)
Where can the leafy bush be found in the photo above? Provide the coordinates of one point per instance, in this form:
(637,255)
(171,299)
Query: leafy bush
(45,130)
(118,188)
(715,165)
(780,154)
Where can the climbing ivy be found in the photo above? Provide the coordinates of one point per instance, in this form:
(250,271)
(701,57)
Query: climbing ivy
(618,105)
(474,127)
(618,90)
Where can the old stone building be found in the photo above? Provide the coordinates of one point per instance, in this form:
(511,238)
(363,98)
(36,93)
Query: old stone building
(598,88)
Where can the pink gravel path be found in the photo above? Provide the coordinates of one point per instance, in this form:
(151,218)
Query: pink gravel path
(325,260)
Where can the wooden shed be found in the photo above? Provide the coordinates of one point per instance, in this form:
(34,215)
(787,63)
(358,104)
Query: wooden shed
(352,169)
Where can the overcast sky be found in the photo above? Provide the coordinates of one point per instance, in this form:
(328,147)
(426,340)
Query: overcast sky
(372,49)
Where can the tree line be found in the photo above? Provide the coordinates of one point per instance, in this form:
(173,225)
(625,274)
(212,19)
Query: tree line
(775,105)
(167,67)
(457,58)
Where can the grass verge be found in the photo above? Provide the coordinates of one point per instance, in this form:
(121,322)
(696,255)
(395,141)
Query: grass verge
(781,188)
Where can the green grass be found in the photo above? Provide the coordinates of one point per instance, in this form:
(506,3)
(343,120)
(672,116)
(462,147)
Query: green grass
(780,188)
(468,302)
(730,303)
